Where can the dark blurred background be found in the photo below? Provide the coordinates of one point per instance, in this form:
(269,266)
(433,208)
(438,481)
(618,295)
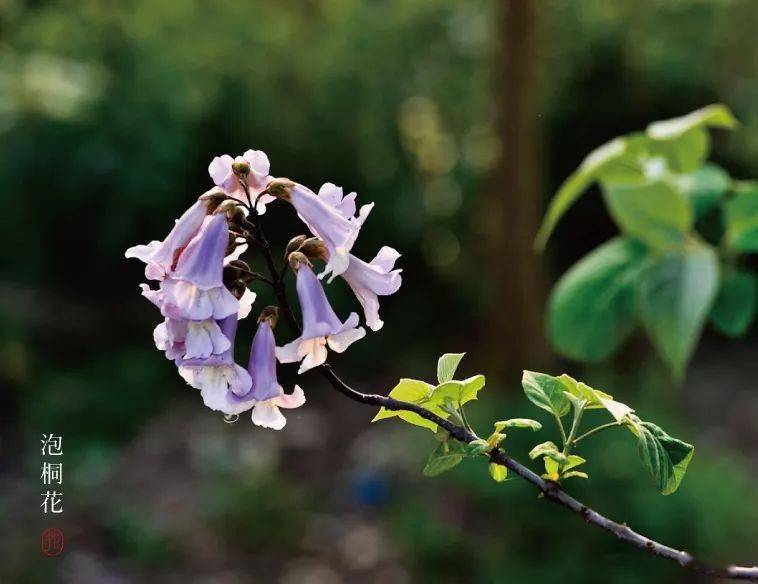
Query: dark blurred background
(459,119)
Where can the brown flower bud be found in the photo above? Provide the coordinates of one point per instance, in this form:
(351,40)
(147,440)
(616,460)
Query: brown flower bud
(294,245)
(281,188)
(271,314)
(298,259)
(237,288)
(212,199)
(240,167)
(314,249)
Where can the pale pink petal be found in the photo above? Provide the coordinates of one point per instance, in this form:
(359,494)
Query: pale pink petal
(291,400)
(341,341)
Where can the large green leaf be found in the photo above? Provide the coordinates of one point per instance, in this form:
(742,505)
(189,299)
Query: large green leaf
(654,213)
(664,457)
(704,187)
(606,158)
(674,296)
(447,365)
(735,304)
(546,392)
(716,115)
(742,219)
(591,310)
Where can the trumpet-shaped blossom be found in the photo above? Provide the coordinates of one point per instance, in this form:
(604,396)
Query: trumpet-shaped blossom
(195,289)
(371,280)
(224,385)
(329,215)
(161,256)
(321,326)
(266,390)
(223,175)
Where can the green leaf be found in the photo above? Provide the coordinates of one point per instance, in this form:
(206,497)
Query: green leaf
(591,311)
(477,447)
(442,459)
(546,392)
(447,365)
(674,297)
(684,153)
(654,213)
(704,187)
(543,449)
(575,473)
(594,398)
(664,457)
(498,472)
(592,167)
(417,392)
(735,304)
(715,115)
(742,219)
(518,423)
(459,392)
(573,461)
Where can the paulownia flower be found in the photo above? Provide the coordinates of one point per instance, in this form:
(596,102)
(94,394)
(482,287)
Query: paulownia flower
(321,326)
(195,289)
(329,215)
(371,280)
(254,165)
(266,390)
(161,256)
(221,382)
(367,280)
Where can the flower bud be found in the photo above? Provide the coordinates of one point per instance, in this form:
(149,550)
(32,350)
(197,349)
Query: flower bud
(294,245)
(314,249)
(237,288)
(271,314)
(212,199)
(240,167)
(298,259)
(280,188)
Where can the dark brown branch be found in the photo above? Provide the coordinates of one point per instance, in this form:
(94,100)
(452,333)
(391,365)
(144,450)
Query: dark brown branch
(551,490)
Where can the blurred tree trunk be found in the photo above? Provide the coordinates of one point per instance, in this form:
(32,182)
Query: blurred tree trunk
(515,203)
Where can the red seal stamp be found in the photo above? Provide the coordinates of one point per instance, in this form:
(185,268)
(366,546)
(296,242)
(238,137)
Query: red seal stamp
(51,542)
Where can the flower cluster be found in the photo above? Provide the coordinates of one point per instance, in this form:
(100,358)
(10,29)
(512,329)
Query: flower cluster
(202,286)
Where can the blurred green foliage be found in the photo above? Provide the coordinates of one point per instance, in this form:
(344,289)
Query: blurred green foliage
(109,115)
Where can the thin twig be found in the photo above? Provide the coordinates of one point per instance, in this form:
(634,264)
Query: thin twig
(550,489)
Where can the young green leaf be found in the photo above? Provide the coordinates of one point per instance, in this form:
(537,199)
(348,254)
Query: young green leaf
(518,423)
(664,457)
(447,365)
(477,447)
(594,398)
(443,458)
(654,213)
(458,392)
(543,449)
(498,472)
(575,473)
(417,392)
(674,297)
(742,219)
(591,311)
(735,304)
(546,392)
(573,461)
